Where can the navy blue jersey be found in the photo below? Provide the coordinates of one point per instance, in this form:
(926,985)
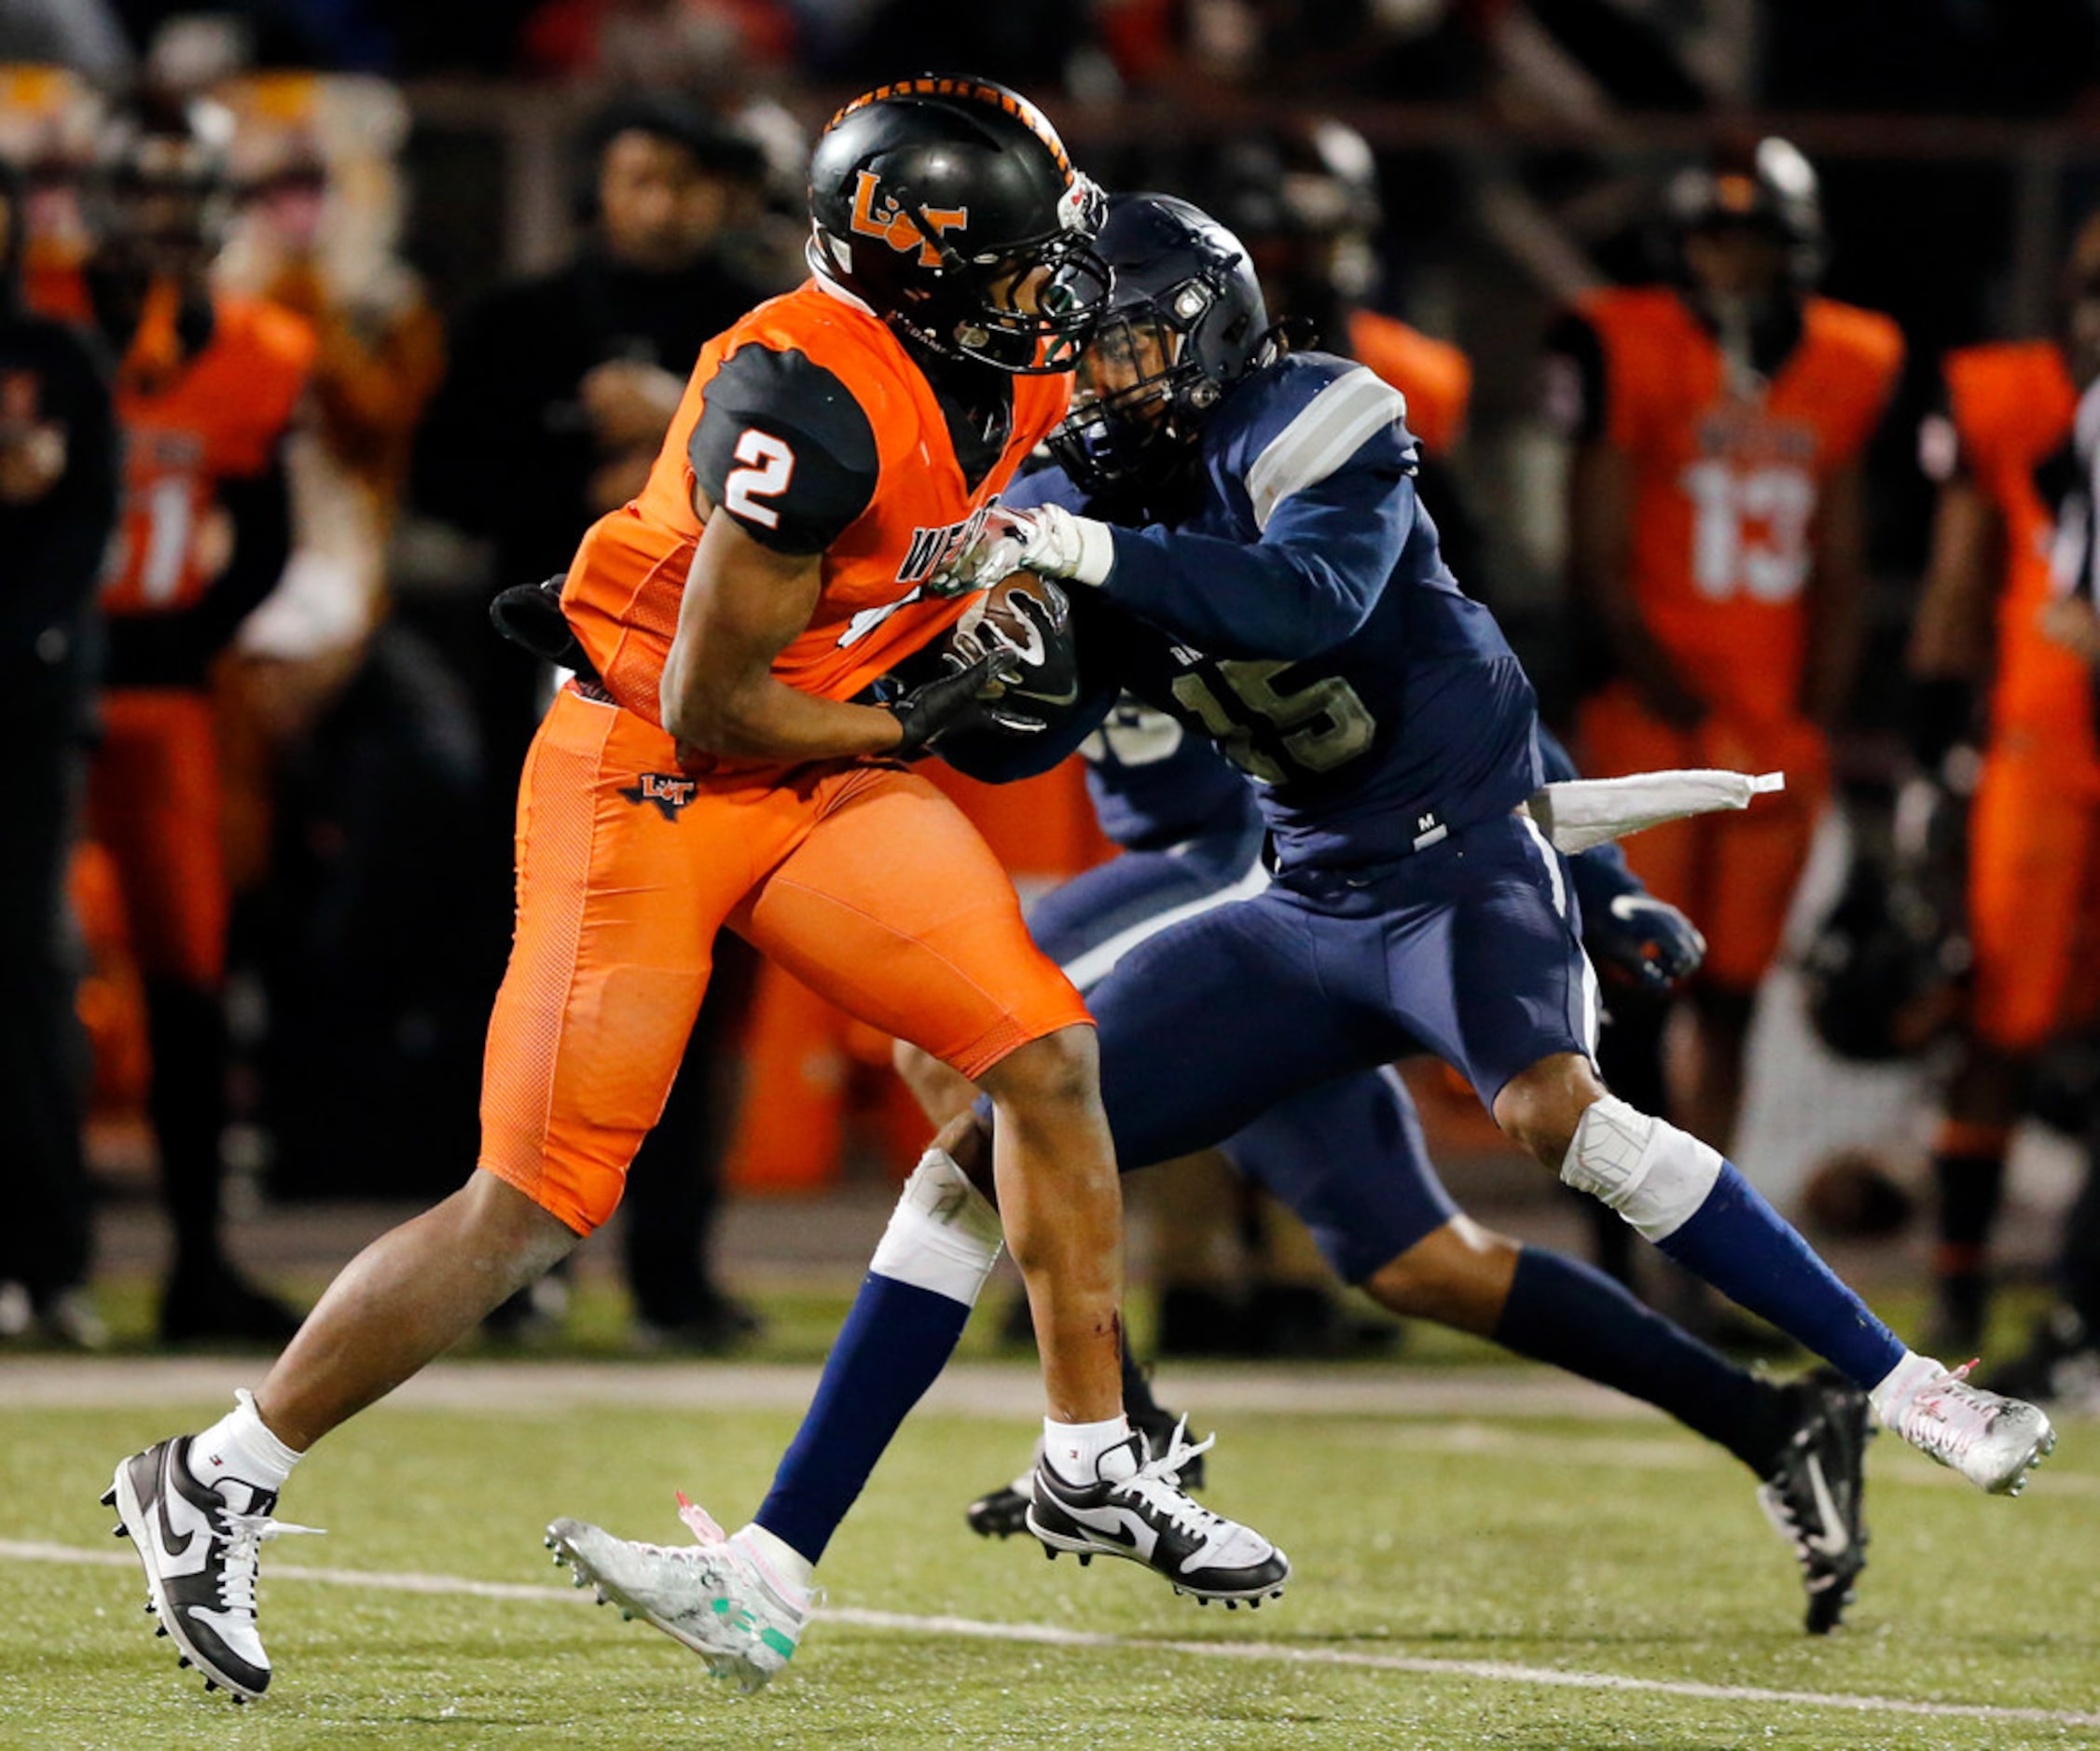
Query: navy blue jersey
(1154,785)
(1300,614)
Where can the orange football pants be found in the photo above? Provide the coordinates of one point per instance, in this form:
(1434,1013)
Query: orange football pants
(2034,894)
(1733,874)
(856,876)
(154,803)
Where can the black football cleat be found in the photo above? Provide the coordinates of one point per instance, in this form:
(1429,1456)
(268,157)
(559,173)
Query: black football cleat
(1816,1495)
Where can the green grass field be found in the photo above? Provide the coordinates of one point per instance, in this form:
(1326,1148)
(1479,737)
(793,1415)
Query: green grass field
(1477,1574)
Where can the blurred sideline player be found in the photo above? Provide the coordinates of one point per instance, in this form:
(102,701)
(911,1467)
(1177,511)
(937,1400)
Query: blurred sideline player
(833,452)
(2003,618)
(207,393)
(1192,834)
(59,462)
(1715,522)
(1414,903)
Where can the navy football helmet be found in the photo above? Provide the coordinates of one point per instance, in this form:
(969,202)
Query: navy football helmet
(1187,316)
(930,198)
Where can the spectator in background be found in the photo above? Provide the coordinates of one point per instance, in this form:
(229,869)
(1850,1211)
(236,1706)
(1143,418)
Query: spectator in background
(207,393)
(58,501)
(560,389)
(558,395)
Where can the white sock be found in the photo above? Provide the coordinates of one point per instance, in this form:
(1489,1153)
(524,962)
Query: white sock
(1077,1451)
(786,1570)
(1891,1394)
(237,1445)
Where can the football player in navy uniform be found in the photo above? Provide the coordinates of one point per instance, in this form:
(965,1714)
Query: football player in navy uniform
(1277,585)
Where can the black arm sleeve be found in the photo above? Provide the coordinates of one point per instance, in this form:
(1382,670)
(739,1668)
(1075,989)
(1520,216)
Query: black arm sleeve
(177,650)
(783,448)
(1574,391)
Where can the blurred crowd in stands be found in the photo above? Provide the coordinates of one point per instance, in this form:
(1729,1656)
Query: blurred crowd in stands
(278,415)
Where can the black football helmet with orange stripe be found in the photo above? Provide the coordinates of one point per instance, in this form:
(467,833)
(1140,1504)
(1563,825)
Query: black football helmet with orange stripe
(934,201)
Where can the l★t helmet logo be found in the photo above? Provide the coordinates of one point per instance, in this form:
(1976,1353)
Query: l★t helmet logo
(897,227)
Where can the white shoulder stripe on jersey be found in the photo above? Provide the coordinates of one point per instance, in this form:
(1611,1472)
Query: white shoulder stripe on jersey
(1329,429)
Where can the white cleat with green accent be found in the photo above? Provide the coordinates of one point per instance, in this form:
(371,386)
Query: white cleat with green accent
(711,1595)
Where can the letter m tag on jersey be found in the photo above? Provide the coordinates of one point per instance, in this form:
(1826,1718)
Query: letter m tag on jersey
(666,789)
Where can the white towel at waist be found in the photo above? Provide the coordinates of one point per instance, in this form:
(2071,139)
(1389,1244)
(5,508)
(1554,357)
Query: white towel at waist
(1579,813)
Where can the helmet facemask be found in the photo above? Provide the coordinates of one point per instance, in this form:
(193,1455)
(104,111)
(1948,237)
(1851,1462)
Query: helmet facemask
(1028,309)
(1150,377)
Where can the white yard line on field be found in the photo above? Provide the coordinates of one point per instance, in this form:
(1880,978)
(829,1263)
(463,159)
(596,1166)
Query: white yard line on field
(1050,1635)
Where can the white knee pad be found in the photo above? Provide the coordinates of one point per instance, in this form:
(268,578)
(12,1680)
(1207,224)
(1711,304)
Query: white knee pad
(1651,1173)
(943,1235)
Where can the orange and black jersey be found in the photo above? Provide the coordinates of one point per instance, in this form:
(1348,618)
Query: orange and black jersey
(813,426)
(206,395)
(805,407)
(1728,469)
(2007,425)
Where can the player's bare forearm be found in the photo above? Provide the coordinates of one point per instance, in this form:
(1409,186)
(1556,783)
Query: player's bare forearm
(1837,597)
(1950,639)
(758,717)
(743,605)
(1600,551)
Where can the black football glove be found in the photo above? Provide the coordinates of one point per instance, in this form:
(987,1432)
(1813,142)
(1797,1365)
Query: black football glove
(1046,681)
(1647,937)
(529,614)
(966,697)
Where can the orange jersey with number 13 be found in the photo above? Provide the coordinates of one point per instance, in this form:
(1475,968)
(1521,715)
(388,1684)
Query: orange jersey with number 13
(1727,482)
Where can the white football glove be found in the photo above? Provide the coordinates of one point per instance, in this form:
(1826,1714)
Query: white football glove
(1048,541)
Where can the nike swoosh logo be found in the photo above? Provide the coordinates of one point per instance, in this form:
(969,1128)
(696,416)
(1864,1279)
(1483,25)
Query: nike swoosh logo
(1119,1533)
(1834,1540)
(1069,697)
(170,1542)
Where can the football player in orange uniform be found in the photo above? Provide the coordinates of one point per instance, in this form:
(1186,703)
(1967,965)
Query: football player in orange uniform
(1716,524)
(834,455)
(207,390)
(1996,620)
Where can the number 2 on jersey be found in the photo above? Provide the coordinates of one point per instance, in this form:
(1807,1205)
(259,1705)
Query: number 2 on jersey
(771,468)
(1749,533)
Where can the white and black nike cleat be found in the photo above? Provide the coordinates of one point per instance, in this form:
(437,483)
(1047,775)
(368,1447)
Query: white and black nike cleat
(1816,1494)
(1001,1512)
(199,1546)
(1149,1517)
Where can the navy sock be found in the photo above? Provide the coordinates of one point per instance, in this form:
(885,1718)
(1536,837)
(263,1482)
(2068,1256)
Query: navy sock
(896,1341)
(1574,1317)
(1745,1248)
